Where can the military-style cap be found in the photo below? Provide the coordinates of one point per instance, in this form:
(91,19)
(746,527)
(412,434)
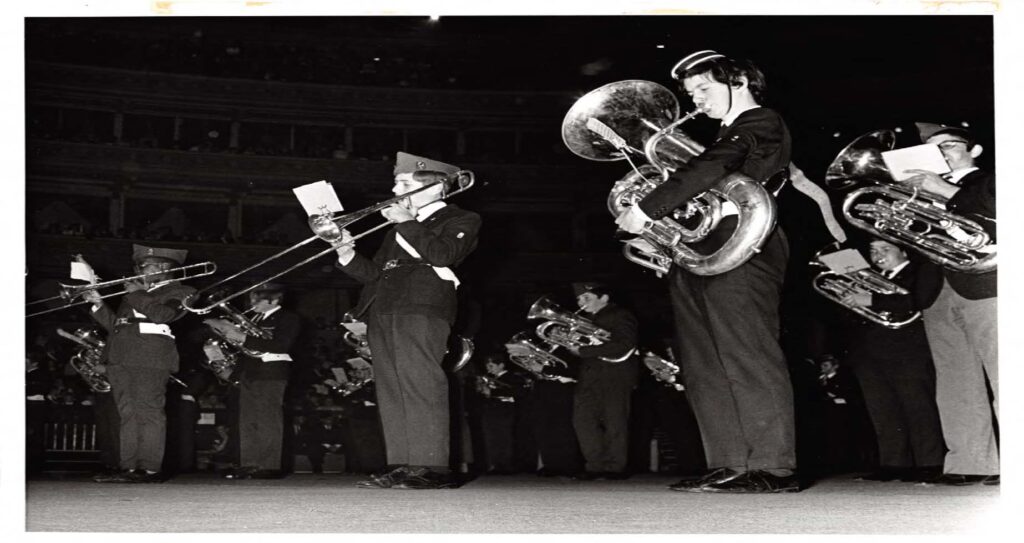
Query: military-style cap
(141,252)
(928,130)
(693,59)
(588,286)
(406,163)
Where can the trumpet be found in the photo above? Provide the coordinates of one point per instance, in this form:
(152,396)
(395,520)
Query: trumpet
(563,328)
(86,360)
(663,370)
(328,227)
(523,352)
(69,293)
(903,215)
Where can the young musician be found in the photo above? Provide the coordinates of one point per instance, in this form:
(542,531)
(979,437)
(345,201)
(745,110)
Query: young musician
(727,325)
(140,357)
(410,304)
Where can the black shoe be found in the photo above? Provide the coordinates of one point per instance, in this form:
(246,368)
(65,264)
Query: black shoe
(957,479)
(719,475)
(243,472)
(386,479)
(756,481)
(990,480)
(427,480)
(124,476)
(143,476)
(921,475)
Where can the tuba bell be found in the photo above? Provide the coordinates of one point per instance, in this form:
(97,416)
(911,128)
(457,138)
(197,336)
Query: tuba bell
(563,328)
(903,215)
(641,118)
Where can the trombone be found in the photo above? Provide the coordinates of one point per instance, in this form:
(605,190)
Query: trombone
(69,293)
(328,227)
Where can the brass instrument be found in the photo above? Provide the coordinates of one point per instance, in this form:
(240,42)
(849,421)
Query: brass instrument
(222,353)
(86,360)
(837,287)
(640,251)
(637,117)
(563,328)
(69,293)
(663,370)
(328,227)
(359,342)
(466,347)
(525,353)
(902,214)
(361,345)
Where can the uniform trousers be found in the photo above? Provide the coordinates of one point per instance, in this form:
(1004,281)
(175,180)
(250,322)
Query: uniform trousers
(736,377)
(962,337)
(140,394)
(600,414)
(261,422)
(412,387)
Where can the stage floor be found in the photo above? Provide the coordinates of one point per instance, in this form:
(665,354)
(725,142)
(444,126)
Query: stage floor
(307,503)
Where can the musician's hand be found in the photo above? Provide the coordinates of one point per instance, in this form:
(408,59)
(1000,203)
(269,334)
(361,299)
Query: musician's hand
(930,182)
(92,297)
(862,299)
(234,335)
(633,220)
(134,286)
(398,213)
(345,248)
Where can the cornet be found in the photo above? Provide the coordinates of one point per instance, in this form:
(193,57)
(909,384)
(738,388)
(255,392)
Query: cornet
(903,215)
(69,293)
(327,227)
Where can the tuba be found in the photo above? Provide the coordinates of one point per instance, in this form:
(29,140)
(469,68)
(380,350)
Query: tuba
(641,118)
(663,370)
(523,352)
(563,328)
(86,360)
(902,214)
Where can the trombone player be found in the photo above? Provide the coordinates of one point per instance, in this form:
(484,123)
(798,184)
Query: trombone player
(960,318)
(140,357)
(409,297)
(727,325)
(261,382)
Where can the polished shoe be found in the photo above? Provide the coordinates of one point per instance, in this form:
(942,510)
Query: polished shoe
(386,479)
(693,484)
(143,476)
(427,480)
(990,480)
(755,482)
(957,479)
(124,476)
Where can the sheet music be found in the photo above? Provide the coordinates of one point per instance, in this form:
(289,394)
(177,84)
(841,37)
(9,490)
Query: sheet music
(844,261)
(926,156)
(318,198)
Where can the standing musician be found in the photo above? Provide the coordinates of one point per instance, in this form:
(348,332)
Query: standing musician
(897,380)
(259,396)
(409,290)
(727,325)
(607,376)
(961,318)
(140,356)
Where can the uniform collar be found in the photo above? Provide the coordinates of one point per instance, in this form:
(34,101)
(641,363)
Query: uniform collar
(956,176)
(732,115)
(428,210)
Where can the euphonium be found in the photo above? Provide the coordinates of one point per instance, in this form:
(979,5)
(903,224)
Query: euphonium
(564,328)
(526,354)
(222,353)
(641,118)
(903,215)
(663,370)
(86,360)
(839,286)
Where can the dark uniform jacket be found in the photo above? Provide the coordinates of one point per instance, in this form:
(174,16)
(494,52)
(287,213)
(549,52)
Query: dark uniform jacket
(283,326)
(131,341)
(443,239)
(622,326)
(976,200)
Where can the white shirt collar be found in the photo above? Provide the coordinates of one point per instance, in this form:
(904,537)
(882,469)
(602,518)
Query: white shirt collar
(428,210)
(272,311)
(956,175)
(892,273)
(731,116)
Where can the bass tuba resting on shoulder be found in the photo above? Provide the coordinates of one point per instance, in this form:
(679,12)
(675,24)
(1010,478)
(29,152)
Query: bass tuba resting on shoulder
(637,118)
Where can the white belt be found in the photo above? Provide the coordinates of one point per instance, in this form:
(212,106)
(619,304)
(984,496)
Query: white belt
(275,357)
(153,328)
(444,273)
